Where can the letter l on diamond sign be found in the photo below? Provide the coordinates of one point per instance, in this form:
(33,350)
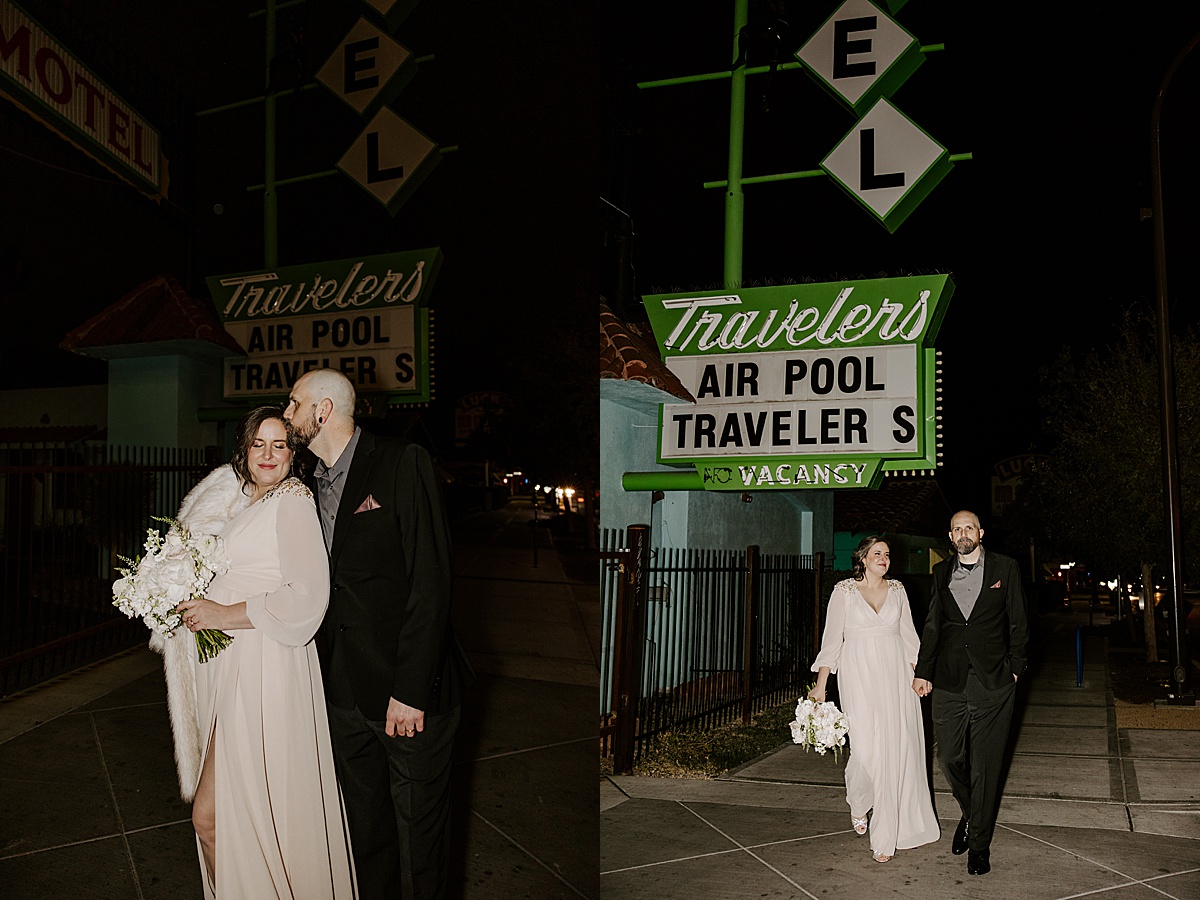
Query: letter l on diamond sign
(390,159)
(888,164)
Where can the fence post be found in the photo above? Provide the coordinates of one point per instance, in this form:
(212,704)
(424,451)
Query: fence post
(818,565)
(750,633)
(629,640)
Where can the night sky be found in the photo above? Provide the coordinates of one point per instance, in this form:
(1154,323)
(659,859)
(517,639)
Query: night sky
(512,86)
(1040,231)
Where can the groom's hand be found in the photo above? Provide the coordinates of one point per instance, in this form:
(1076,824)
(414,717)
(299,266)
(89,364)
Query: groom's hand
(403,720)
(922,687)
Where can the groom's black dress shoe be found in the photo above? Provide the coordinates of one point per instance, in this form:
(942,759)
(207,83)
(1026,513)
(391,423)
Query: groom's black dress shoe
(978,862)
(959,847)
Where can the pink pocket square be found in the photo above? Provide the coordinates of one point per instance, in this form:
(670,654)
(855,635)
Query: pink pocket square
(372,503)
(996,585)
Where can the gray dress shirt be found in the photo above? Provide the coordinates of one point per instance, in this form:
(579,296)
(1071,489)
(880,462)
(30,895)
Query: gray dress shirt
(331,481)
(967,584)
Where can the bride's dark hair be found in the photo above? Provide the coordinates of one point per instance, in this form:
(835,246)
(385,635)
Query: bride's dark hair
(247,431)
(858,568)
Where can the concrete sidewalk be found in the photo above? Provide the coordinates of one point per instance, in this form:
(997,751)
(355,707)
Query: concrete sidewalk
(1089,809)
(90,808)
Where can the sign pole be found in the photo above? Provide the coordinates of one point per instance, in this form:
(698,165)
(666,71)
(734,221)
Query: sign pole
(270,197)
(734,198)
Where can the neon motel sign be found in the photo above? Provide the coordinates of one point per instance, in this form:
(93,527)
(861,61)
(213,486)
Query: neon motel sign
(367,317)
(802,386)
(42,77)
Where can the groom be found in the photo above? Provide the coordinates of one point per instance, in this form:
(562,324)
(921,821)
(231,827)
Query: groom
(394,672)
(973,650)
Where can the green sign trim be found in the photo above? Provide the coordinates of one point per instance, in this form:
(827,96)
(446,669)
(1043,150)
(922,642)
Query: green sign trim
(829,317)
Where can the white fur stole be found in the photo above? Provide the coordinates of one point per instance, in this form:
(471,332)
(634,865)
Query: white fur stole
(205,510)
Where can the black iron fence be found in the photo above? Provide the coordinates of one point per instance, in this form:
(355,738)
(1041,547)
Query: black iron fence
(67,511)
(698,638)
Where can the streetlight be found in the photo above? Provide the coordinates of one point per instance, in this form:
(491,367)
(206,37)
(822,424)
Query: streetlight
(534,495)
(1181,690)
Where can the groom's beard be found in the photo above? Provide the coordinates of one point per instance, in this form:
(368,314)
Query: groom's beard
(966,546)
(305,431)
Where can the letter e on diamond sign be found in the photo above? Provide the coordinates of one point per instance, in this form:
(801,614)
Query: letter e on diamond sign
(888,164)
(368,68)
(861,54)
(390,159)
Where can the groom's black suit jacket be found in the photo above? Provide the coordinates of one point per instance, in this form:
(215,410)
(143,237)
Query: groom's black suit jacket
(992,643)
(387,632)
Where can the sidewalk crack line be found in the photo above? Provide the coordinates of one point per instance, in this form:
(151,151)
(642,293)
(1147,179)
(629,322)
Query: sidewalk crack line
(137,884)
(749,851)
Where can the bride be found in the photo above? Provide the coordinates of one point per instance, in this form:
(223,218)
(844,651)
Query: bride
(870,643)
(255,749)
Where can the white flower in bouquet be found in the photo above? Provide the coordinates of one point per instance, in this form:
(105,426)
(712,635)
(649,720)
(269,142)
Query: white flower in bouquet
(209,545)
(172,577)
(176,566)
(173,545)
(819,726)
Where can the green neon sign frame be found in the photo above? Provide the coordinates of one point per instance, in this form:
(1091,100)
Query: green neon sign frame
(834,315)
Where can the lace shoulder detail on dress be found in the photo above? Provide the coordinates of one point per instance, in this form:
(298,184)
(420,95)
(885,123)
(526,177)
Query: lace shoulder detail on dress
(292,487)
(849,584)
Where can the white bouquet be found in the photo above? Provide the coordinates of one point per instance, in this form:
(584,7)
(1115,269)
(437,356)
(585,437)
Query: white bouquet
(820,726)
(175,568)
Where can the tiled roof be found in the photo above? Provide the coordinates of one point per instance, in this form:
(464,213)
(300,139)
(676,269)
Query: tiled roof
(900,506)
(159,310)
(626,353)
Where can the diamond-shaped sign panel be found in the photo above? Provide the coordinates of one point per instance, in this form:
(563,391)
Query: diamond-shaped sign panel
(861,54)
(888,164)
(390,159)
(367,68)
(396,11)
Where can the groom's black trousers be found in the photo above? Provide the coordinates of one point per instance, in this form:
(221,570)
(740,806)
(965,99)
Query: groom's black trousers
(397,793)
(972,732)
